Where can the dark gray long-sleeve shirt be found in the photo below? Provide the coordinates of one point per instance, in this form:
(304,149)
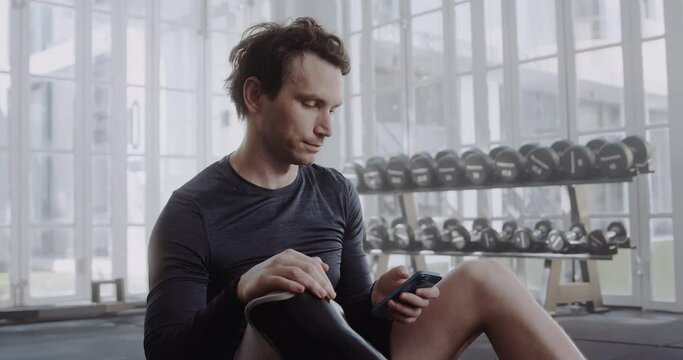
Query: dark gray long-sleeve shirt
(218,225)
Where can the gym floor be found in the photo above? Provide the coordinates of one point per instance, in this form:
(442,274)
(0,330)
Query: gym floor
(617,334)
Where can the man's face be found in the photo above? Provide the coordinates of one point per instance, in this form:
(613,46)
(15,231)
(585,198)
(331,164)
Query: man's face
(296,122)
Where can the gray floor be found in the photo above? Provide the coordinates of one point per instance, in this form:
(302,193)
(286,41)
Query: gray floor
(617,334)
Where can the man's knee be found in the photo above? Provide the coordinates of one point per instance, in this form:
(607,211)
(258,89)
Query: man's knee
(480,274)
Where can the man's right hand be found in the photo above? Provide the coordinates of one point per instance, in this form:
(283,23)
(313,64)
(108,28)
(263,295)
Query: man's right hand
(290,271)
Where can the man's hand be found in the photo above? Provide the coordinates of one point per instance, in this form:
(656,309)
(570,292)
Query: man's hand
(409,306)
(290,271)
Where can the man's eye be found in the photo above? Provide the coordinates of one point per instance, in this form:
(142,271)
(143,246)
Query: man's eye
(309,104)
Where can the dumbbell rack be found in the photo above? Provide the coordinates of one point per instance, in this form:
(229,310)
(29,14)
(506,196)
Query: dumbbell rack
(587,291)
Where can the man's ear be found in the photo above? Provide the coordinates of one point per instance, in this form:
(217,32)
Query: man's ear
(252,94)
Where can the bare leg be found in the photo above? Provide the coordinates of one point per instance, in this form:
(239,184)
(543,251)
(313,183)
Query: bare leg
(482,296)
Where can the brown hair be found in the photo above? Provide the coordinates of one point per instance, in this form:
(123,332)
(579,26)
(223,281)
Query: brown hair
(266,50)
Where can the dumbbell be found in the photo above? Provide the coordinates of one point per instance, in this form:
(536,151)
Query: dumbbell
(423,170)
(375,174)
(642,153)
(560,146)
(543,163)
(455,236)
(354,172)
(510,166)
(428,233)
(450,168)
(574,240)
(616,160)
(398,172)
(605,242)
(527,240)
(479,167)
(526,148)
(403,236)
(377,236)
(506,235)
(483,237)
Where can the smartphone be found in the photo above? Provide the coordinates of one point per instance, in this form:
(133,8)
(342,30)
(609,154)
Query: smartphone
(420,279)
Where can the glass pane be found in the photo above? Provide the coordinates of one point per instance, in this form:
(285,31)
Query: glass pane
(101,46)
(539,99)
(64,2)
(386,43)
(4,264)
(137,260)
(652,17)
(52,114)
(51,184)
(237,15)
(596,22)
(5,8)
(174,173)
(101,118)
(101,253)
(655,82)
(135,7)
(536,29)
(384,11)
(178,57)
(428,46)
(5,87)
(495,105)
(356,114)
(101,190)
(606,199)
(135,124)
(220,66)
(178,130)
(227,130)
(542,202)
(136,180)
(52,40)
(494,32)
(470,204)
(419,6)
(389,123)
(179,11)
(135,52)
(53,264)
(660,180)
(5,200)
(662,275)
(430,134)
(355,53)
(355,15)
(103,5)
(465,93)
(600,89)
(463,38)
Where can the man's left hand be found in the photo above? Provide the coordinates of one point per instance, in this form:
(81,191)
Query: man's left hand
(407,307)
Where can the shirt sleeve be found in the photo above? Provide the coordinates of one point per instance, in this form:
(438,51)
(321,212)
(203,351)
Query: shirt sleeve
(355,282)
(179,323)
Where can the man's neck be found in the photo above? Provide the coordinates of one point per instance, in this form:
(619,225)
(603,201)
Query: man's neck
(257,167)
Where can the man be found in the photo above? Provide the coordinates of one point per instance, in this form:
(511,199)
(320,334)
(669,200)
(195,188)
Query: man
(265,218)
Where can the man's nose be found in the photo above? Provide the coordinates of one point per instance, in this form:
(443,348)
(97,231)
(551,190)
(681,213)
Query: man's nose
(324,125)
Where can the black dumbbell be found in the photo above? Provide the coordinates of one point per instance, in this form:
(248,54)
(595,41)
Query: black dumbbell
(605,242)
(642,153)
(423,170)
(375,174)
(616,160)
(578,162)
(527,240)
(428,233)
(526,148)
(455,236)
(398,172)
(596,144)
(572,241)
(402,235)
(377,236)
(506,235)
(479,167)
(560,146)
(543,163)
(483,237)
(497,150)
(510,166)
(354,172)
(450,168)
